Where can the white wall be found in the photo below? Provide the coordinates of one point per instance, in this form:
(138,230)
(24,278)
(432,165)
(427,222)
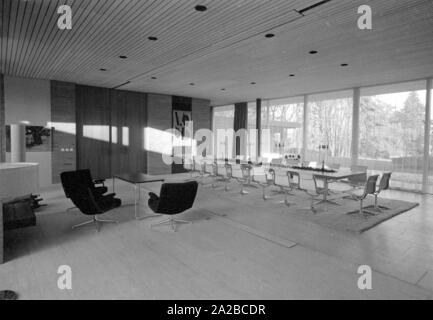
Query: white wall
(30,100)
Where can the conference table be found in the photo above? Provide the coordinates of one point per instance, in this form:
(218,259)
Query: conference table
(137,179)
(305,174)
(327,177)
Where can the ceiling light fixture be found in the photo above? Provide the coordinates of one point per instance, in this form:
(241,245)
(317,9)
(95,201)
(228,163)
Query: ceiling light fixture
(312,52)
(292,75)
(102,69)
(344,64)
(269,35)
(123,57)
(200,8)
(253,83)
(152,38)
(192,84)
(154,78)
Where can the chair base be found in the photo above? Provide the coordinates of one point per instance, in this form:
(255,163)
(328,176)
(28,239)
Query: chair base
(363,212)
(321,201)
(96,221)
(172,222)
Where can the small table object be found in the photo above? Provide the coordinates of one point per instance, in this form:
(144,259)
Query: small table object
(137,179)
(8,295)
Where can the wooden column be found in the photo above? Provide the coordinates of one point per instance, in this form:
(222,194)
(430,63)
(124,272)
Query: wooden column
(240,122)
(259,126)
(355,126)
(2,122)
(427,128)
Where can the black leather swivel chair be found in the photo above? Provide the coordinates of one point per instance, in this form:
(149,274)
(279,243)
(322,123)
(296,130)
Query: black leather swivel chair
(174,198)
(86,199)
(83,176)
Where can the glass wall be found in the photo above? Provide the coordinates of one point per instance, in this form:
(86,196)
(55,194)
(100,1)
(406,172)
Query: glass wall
(252,115)
(391,131)
(392,119)
(282,122)
(330,127)
(222,126)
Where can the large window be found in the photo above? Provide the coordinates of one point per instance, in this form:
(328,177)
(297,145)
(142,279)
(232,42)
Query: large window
(282,127)
(252,115)
(330,127)
(392,119)
(222,126)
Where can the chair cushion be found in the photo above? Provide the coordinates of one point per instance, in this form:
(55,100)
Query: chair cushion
(108,202)
(174,198)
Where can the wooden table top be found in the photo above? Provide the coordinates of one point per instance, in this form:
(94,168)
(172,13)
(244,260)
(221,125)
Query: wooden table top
(138,177)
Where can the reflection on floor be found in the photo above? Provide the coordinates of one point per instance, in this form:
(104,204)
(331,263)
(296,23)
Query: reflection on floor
(238,247)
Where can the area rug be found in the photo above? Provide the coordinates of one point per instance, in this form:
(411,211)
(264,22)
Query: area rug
(336,217)
(327,215)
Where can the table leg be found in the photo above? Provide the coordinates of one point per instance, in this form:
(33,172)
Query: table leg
(135,200)
(147,215)
(325,194)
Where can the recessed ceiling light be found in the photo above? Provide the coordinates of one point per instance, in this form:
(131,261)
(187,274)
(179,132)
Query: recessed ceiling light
(292,75)
(312,52)
(223,89)
(200,8)
(123,57)
(152,38)
(344,64)
(192,84)
(102,69)
(269,35)
(253,83)
(153,78)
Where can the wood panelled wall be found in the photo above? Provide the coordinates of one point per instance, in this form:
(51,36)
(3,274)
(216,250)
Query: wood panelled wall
(104,129)
(63,119)
(110,131)
(93,130)
(128,120)
(2,121)
(159,114)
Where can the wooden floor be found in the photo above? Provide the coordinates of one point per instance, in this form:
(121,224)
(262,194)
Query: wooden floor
(238,247)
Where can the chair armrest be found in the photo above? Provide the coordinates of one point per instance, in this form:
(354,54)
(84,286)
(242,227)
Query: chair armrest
(112,195)
(99,181)
(153,196)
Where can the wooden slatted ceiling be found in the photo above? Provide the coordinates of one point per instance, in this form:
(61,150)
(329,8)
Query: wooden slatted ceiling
(223,47)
